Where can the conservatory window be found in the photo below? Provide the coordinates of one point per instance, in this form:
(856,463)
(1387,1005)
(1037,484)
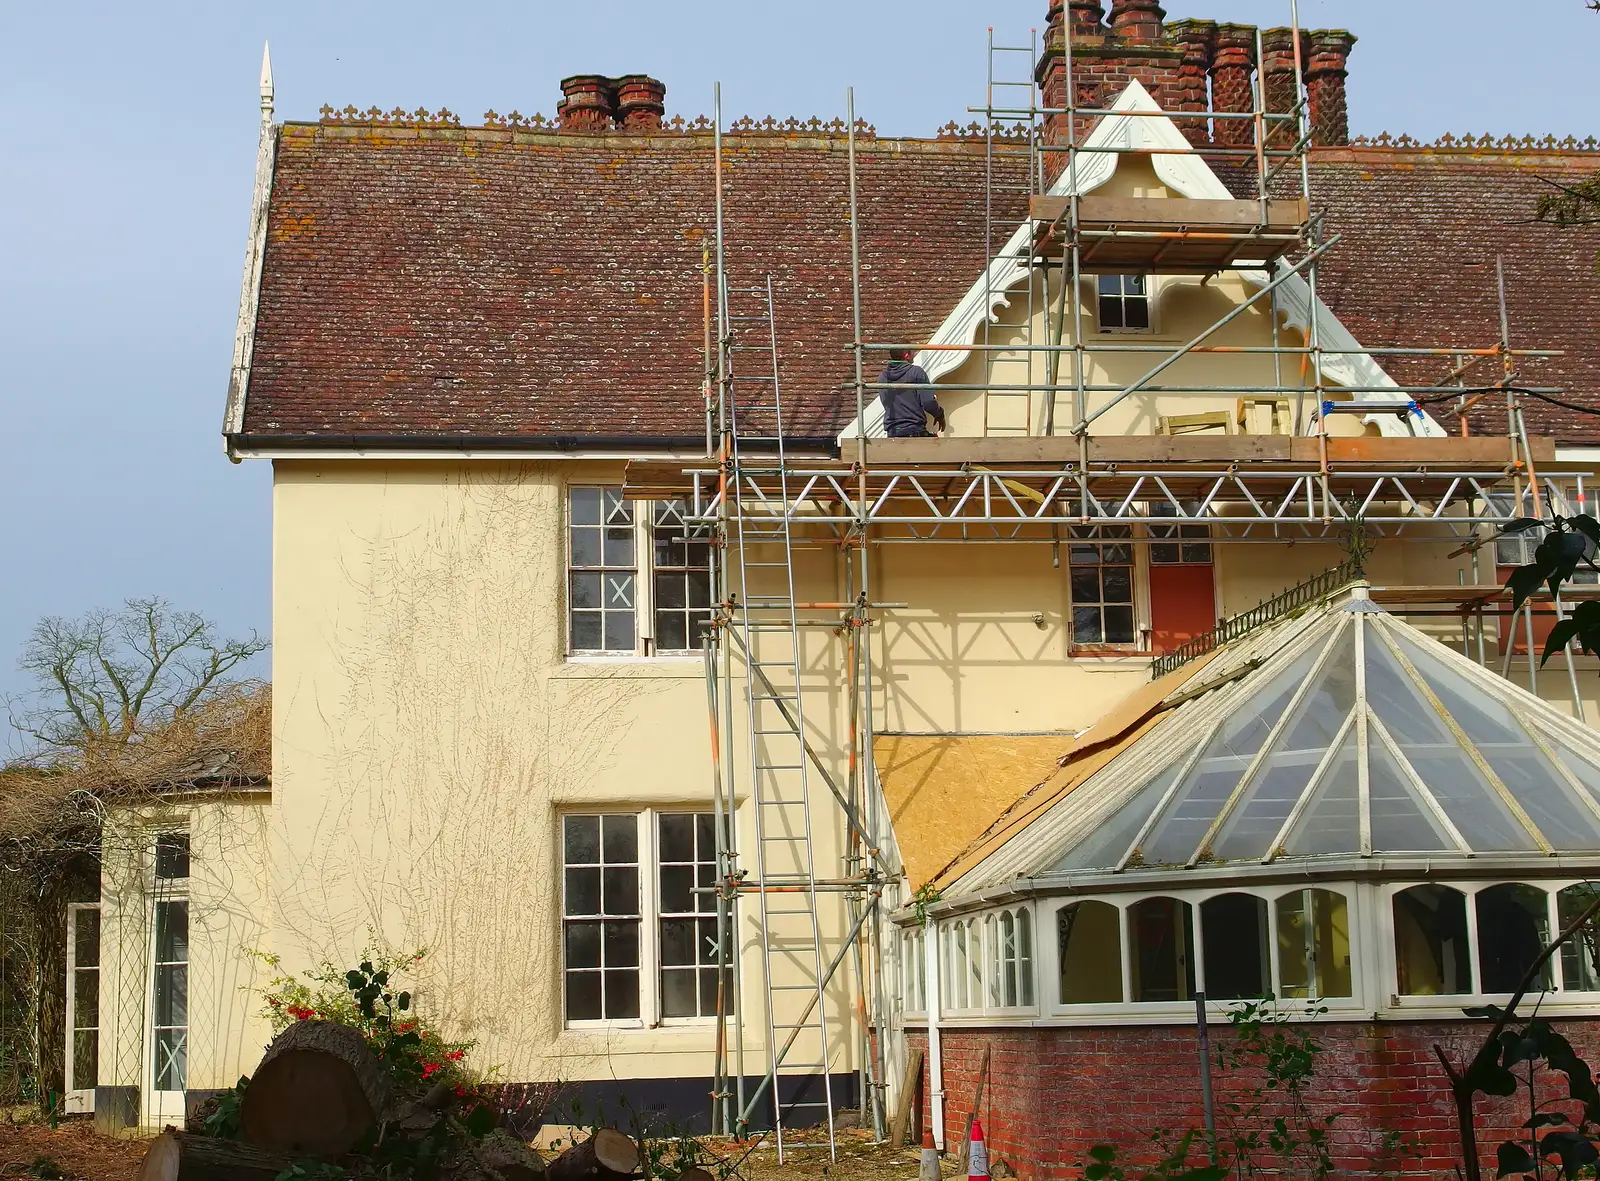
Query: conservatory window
(1233,933)
(1513,927)
(991,966)
(1091,953)
(916,980)
(1430,942)
(1159,931)
(974,988)
(1313,944)
(1581,953)
(1012,983)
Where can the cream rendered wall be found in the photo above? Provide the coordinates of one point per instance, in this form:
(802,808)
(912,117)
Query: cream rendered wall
(429,730)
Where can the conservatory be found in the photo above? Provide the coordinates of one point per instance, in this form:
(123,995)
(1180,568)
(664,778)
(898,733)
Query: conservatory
(1336,808)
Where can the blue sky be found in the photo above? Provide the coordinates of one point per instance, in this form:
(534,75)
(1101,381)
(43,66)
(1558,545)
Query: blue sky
(127,144)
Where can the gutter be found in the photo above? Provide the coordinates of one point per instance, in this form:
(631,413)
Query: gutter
(259,445)
(244,333)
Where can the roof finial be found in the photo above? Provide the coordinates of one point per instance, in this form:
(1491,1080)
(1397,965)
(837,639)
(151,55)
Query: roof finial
(266,81)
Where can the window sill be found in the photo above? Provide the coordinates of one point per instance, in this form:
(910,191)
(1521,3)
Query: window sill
(578,667)
(1108,654)
(667,1025)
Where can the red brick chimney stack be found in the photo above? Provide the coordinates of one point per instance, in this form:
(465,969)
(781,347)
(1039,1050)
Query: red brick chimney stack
(1088,17)
(641,103)
(1325,86)
(1231,70)
(1137,21)
(1190,91)
(589,104)
(1280,80)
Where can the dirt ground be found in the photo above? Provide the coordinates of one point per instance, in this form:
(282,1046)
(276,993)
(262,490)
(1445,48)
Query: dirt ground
(74,1151)
(26,1150)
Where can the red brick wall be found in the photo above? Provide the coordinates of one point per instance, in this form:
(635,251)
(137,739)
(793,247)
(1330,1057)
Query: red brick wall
(1054,1093)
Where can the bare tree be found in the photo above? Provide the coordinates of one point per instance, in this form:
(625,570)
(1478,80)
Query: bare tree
(107,676)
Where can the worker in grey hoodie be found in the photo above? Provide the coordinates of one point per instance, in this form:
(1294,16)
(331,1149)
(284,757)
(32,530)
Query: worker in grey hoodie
(907,398)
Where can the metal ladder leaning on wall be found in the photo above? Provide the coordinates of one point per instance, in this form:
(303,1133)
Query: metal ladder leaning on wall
(767,635)
(1007,137)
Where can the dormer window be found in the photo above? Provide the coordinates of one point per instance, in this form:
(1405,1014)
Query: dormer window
(1124,303)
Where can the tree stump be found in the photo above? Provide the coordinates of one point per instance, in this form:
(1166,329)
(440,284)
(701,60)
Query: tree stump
(183,1156)
(608,1155)
(318,1090)
(695,1173)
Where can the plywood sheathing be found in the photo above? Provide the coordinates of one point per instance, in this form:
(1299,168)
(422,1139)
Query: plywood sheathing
(956,798)
(943,789)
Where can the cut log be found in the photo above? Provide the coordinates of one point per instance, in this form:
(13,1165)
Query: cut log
(183,1156)
(608,1155)
(695,1174)
(318,1090)
(510,1157)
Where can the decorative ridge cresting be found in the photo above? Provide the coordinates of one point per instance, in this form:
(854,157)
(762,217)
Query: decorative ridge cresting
(677,125)
(1010,132)
(1501,143)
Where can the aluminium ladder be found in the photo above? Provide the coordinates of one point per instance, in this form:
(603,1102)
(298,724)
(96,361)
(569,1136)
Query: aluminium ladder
(769,638)
(1008,411)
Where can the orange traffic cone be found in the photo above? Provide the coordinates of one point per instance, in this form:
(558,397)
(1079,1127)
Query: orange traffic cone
(977,1153)
(929,1169)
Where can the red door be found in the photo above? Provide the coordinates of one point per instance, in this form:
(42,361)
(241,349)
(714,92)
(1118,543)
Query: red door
(1183,597)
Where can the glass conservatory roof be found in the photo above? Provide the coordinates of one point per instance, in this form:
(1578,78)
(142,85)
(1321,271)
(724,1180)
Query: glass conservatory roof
(1346,733)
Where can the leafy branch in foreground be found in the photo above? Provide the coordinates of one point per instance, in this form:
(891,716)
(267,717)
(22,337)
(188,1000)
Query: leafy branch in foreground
(1568,543)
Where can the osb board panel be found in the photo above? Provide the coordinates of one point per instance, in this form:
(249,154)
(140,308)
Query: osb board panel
(943,790)
(955,799)
(1038,800)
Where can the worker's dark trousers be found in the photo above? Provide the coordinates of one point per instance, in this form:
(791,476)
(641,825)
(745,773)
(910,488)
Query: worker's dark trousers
(902,433)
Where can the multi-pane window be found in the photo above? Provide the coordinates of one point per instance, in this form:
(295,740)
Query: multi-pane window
(687,850)
(1124,303)
(172,855)
(602,571)
(1101,561)
(170,1013)
(681,560)
(83,1005)
(1182,545)
(601,905)
(638,574)
(637,904)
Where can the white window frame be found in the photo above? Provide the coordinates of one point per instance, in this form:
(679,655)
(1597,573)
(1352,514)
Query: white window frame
(978,976)
(644,606)
(1451,1004)
(79,1100)
(1151,286)
(1047,955)
(160,1106)
(1374,980)
(649,922)
(1139,575)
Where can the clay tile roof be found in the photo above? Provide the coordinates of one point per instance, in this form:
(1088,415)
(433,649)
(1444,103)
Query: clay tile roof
(1416,267)
(430,284)
(476,283)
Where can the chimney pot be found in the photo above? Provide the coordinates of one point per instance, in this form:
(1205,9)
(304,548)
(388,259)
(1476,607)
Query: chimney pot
(1325,86)
(1280,81)
(1137,20)
(589,105)
(641,103)
(1197,39)
(1088,17)
(1231,92)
